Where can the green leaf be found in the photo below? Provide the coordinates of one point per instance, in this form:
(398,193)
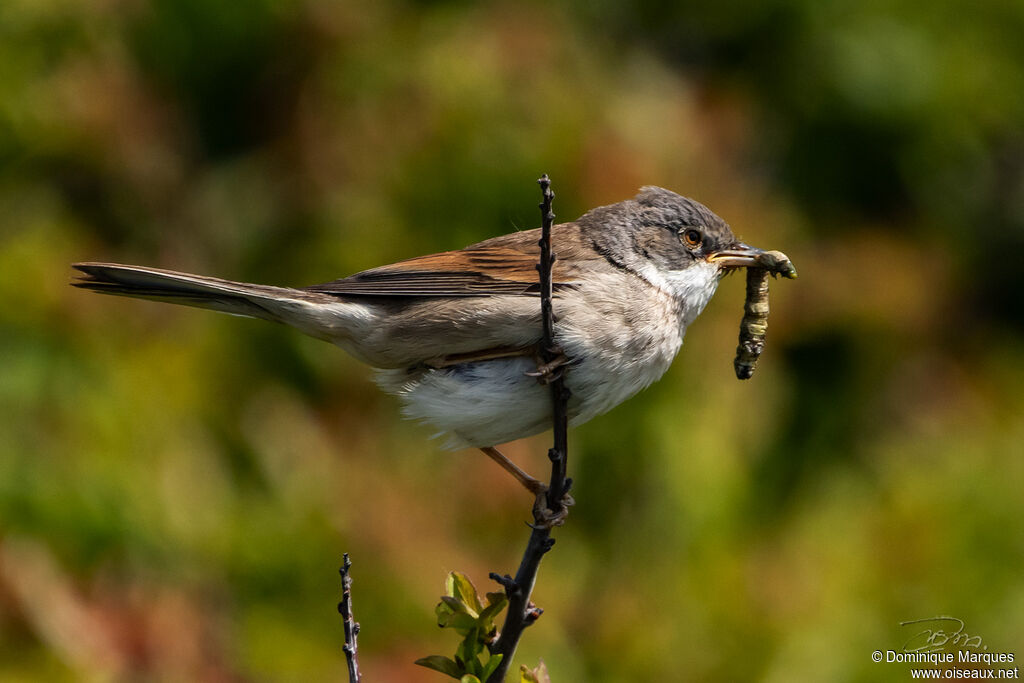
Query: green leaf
(460,621)
(498,601)
(446,610)
(462,610)
(490,666)
(446,666)
(452,614)
(469,648)
(456,605)
(461,588)
(469,678)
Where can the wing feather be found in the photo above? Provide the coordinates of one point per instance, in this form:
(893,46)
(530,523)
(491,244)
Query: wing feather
(504,265)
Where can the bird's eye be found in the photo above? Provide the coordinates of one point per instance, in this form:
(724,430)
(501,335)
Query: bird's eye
(692,237)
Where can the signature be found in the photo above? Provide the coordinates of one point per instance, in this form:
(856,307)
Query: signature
(938,633)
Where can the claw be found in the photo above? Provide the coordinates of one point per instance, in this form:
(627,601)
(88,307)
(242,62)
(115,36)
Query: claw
(552,370)
(543,517)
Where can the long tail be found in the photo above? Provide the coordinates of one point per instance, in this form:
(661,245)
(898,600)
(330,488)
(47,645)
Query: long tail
(279,304)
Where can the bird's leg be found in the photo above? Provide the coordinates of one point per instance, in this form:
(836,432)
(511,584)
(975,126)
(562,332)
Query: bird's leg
(534,486)
(546,372)
(549,371)
(542,516)
(477,356)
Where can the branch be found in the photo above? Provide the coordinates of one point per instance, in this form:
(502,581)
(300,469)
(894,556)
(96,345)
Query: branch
(558,454)
(521,612)
(351,625)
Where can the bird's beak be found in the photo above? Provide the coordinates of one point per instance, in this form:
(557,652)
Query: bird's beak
(741,255)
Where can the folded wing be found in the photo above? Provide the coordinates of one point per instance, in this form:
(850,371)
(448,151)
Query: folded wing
(505,265)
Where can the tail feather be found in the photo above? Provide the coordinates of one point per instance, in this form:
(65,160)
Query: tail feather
(239,298)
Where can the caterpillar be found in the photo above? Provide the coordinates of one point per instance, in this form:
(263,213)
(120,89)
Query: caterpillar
(754,325)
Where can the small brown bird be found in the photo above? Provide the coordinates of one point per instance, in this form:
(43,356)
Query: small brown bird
(454,335)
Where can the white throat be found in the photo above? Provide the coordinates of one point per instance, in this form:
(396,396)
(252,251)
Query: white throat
(691,287)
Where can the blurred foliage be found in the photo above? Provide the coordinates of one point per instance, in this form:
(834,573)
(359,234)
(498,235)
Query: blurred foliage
(177,488)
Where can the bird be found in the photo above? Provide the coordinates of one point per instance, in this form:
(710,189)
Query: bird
(455,335)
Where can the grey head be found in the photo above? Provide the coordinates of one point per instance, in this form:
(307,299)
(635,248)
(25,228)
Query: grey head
(657,227)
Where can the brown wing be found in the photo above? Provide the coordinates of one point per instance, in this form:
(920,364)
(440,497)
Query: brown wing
(503,265)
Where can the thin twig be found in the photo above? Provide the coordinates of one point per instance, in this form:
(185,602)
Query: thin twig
(558,454)
(521,612)
(351,625)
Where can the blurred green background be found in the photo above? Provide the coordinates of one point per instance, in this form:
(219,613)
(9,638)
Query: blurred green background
(177,487)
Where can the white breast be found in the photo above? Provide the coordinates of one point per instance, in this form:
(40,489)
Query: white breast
(619,341)
(616,369)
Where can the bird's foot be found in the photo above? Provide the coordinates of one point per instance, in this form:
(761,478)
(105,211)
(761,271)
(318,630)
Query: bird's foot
(544,517)
(548,371)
